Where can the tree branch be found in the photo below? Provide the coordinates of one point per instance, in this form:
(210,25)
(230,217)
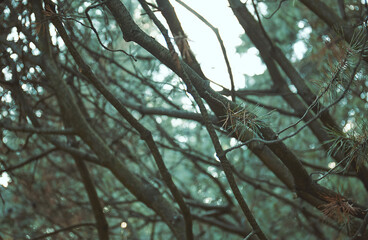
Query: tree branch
(144,133)
(64,230)
(219,39)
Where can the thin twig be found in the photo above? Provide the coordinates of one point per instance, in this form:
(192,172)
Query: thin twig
(312,119)
(261,25)
(223,49)
(316,100)
(250,235)
(98,37)
(362,228)
(31,159)
(27,129)
(177,195)
(64,230)
(144,133)
(277,9)
(331,170)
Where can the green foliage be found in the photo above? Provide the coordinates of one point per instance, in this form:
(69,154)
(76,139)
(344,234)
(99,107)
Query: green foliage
(242,121)
(353,143)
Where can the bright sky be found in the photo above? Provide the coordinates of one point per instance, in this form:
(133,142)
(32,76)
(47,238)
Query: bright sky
(4,180)
(205,45)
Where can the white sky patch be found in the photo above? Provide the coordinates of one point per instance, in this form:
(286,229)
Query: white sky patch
(26,87)
(186,104)
(176,122)
(158,119)
(326,38)
(14,56)
(167,87)
(252,63)
(300,48)
(305,32)
(123,225)
(54,38)
(19,67)
(293,88)
(7,98)
(32,46)
(261,8)
(216,158)
(13,35)
(53,34)
(331,165)
(33,17)
(207,200)
(80,9)
(192,125)
(349,125)
(233,142)
(61,43)
(7,73)
(87,4)
(301,24)
(6,11)
(182,139)
(213,171)
(106,209)
(98,12)
(204,43)
(38,113)
(5,179)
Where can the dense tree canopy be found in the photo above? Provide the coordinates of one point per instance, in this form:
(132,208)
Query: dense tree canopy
(111,128)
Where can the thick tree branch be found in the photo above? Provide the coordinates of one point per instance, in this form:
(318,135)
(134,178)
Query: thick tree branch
(219,39)
(180,37)
(214,138)
(101,222)
(145,134)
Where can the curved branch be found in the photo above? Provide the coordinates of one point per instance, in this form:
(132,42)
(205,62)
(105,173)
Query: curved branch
(95,31)
(144,133)
(29,160)
(64,230)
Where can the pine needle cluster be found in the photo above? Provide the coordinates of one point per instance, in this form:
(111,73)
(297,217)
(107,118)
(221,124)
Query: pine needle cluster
(338,208)
(353,144)
(240,121)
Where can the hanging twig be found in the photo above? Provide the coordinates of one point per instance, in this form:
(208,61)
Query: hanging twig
(312,119)
(98,37)
(223,49)
(362,227)
(277,9)
(64,230)
(31,159)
